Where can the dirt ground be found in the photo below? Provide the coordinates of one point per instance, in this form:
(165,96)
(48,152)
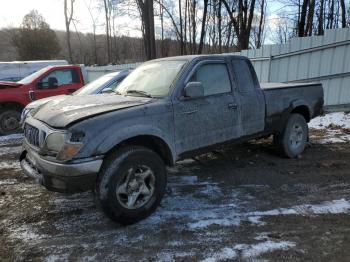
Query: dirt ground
(241,203)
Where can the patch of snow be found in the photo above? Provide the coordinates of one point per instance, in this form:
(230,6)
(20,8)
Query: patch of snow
(251,251)
(225,253)
(25,233)
(10,165)
(338,119)
(328,207)
(333,125)
(217,221)
(12,137)
(8,182)
(255,250)
(10,150)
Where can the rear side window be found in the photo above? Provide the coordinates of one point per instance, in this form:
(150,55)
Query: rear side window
(214,78)
(243,75)
(64,77)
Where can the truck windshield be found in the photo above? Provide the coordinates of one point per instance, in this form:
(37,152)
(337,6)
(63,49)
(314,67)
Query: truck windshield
(152,79)
(32,77)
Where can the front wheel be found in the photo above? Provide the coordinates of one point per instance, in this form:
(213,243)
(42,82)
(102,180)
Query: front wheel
(9,121)
(292,141)
(131,184)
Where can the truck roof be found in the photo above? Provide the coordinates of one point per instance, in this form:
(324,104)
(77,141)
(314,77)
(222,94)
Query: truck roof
(61,66)
(192,57)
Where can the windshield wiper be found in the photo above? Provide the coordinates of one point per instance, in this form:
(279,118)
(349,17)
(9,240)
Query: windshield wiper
(140,92)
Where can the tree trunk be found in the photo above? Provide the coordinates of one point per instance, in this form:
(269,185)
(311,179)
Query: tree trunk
(181,30)
(320,19)
(220,26)
(261,22)
(107,31)
(343,13)
(68,19)
(147,17)
(301,22)
(201,41)
(310,18)
(194,6)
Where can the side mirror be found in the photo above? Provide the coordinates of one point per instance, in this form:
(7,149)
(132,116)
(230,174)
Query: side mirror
(194,90)
(39,85)
(107,90)
(53,83)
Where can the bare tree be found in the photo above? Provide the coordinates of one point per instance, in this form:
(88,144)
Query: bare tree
(108,13)
(94,27)
(343,13)
(261,23)
(34,39)
(68,17)
(147,18)
(204,19)
(242,22)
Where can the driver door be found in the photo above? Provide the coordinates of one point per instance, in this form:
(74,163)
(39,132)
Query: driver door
(211,119)
(57,82)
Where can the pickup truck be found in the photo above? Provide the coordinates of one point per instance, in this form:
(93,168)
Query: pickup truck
(104,84)
(165,110)
(48,81)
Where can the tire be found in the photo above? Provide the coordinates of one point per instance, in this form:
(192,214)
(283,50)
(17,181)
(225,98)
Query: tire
(131,184)
(10,121)
(292,141)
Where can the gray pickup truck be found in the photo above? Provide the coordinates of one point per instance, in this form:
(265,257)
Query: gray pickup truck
(165,110)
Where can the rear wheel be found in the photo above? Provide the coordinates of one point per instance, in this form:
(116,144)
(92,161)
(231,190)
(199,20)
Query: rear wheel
(9,121)
(293,139)
(131,184)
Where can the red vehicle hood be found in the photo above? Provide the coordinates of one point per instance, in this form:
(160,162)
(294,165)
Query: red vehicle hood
(8,84)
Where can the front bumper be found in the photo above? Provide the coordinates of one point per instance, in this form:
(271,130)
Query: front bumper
(65,178)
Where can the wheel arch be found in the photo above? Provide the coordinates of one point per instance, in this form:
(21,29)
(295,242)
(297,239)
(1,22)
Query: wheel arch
(298,107)
(12,105)
(152,142)
(302,110)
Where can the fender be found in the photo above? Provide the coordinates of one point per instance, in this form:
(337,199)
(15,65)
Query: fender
(293,105)
(111,141)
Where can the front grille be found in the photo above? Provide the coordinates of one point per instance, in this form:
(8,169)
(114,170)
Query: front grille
(31,133)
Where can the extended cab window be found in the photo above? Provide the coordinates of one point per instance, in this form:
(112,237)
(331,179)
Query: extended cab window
(64,77)
(214,78)
(243,75)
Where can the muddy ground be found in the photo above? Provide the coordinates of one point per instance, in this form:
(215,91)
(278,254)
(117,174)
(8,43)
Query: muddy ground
(242,203)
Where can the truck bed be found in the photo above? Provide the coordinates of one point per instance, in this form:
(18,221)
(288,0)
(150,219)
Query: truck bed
(280,97)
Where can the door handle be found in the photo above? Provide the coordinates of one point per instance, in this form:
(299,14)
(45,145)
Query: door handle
(191,112)
(232,106)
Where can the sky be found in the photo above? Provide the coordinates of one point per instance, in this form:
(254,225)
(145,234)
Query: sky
(12,12)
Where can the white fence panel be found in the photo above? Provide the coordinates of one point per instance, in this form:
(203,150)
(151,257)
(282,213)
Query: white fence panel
(324,59)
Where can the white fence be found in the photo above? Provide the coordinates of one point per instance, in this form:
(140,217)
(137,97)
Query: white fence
(94,72)
(324,59)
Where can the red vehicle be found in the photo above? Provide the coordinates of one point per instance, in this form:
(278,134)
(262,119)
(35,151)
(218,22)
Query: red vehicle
(49,81)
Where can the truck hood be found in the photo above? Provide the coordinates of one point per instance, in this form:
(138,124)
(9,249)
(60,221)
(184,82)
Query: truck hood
(40,102)
(62,112)
(8,84)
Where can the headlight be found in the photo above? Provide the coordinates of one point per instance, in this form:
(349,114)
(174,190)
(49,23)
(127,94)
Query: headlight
(66,145)
(55,141)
